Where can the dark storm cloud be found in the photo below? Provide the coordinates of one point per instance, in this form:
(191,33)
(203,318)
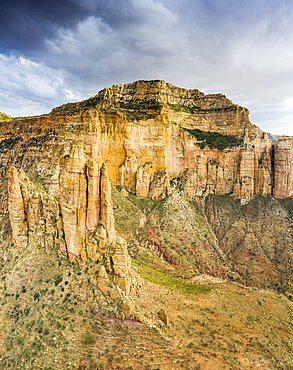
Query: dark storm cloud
(24,24)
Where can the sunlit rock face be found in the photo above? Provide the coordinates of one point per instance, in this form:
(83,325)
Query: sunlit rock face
(148,138)
(78,221)
(149,134)
(283,167)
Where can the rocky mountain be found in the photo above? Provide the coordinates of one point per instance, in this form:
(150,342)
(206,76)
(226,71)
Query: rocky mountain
(130,207)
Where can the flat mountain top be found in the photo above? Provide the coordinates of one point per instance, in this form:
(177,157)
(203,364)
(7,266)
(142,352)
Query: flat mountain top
(150,94)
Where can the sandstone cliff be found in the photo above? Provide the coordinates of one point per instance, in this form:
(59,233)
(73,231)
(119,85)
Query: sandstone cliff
(160,133)
(79,223)
(150,138)
(180,181)
(283,167)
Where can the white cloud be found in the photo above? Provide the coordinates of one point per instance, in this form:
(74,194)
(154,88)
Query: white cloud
(28,87)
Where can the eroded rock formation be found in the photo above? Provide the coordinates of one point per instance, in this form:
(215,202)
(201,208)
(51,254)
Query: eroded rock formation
(150,133)
(78,221)
(158,128)
(283,167)
(150,138)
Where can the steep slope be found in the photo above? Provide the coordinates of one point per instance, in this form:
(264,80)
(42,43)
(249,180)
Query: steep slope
(139,274)
(159,132)
(255,238)
(251,244)
(49,319)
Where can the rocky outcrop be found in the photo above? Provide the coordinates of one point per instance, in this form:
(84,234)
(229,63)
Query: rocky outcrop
(145,129)
(283,167)
(78,221)
(250,237)
(73,201)
(16,208)
(158,128)
(149,138)
(85,203)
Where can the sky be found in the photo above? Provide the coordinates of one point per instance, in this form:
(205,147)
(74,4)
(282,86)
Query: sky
(59,51)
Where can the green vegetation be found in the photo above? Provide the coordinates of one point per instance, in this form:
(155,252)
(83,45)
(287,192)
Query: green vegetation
(8,144)
(37,180)
(4,117)
(141,104)
(183,108)
(58,280)
(135,115)
(165,279)
(288,204)
(214,140)
(37,140)
(134,110)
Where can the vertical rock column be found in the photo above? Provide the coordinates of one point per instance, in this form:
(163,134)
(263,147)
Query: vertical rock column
(122,265)
(244,188)
(106,210)
(85,200)
(16,208)
(143,179)
(283,167)
(73,200)
(93,194)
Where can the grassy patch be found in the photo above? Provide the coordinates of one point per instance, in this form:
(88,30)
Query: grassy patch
(144,204)
(214,140)
(38,140)
(183,108)
(4,117)
(164,279)
(37,180)
(134,110)
(288,204)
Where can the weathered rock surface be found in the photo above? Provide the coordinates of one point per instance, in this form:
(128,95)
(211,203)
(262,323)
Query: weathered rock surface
(16,208)
(172,154)
(148,128)
(283,167)
(256,239)
(80,224)
(154,132)
(154,140)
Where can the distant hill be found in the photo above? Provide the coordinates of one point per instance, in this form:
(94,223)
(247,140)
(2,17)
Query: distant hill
(274,138)
(4,117)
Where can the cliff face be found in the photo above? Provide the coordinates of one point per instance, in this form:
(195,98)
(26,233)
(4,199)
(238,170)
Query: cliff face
(152,139)
(180,181)
(79,223)
(283,167)
(150,133)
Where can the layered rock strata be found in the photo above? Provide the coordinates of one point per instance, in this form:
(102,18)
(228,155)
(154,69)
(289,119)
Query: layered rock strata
(283,167)
(154,128)
(150,133)
(150,138)
(78,221)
